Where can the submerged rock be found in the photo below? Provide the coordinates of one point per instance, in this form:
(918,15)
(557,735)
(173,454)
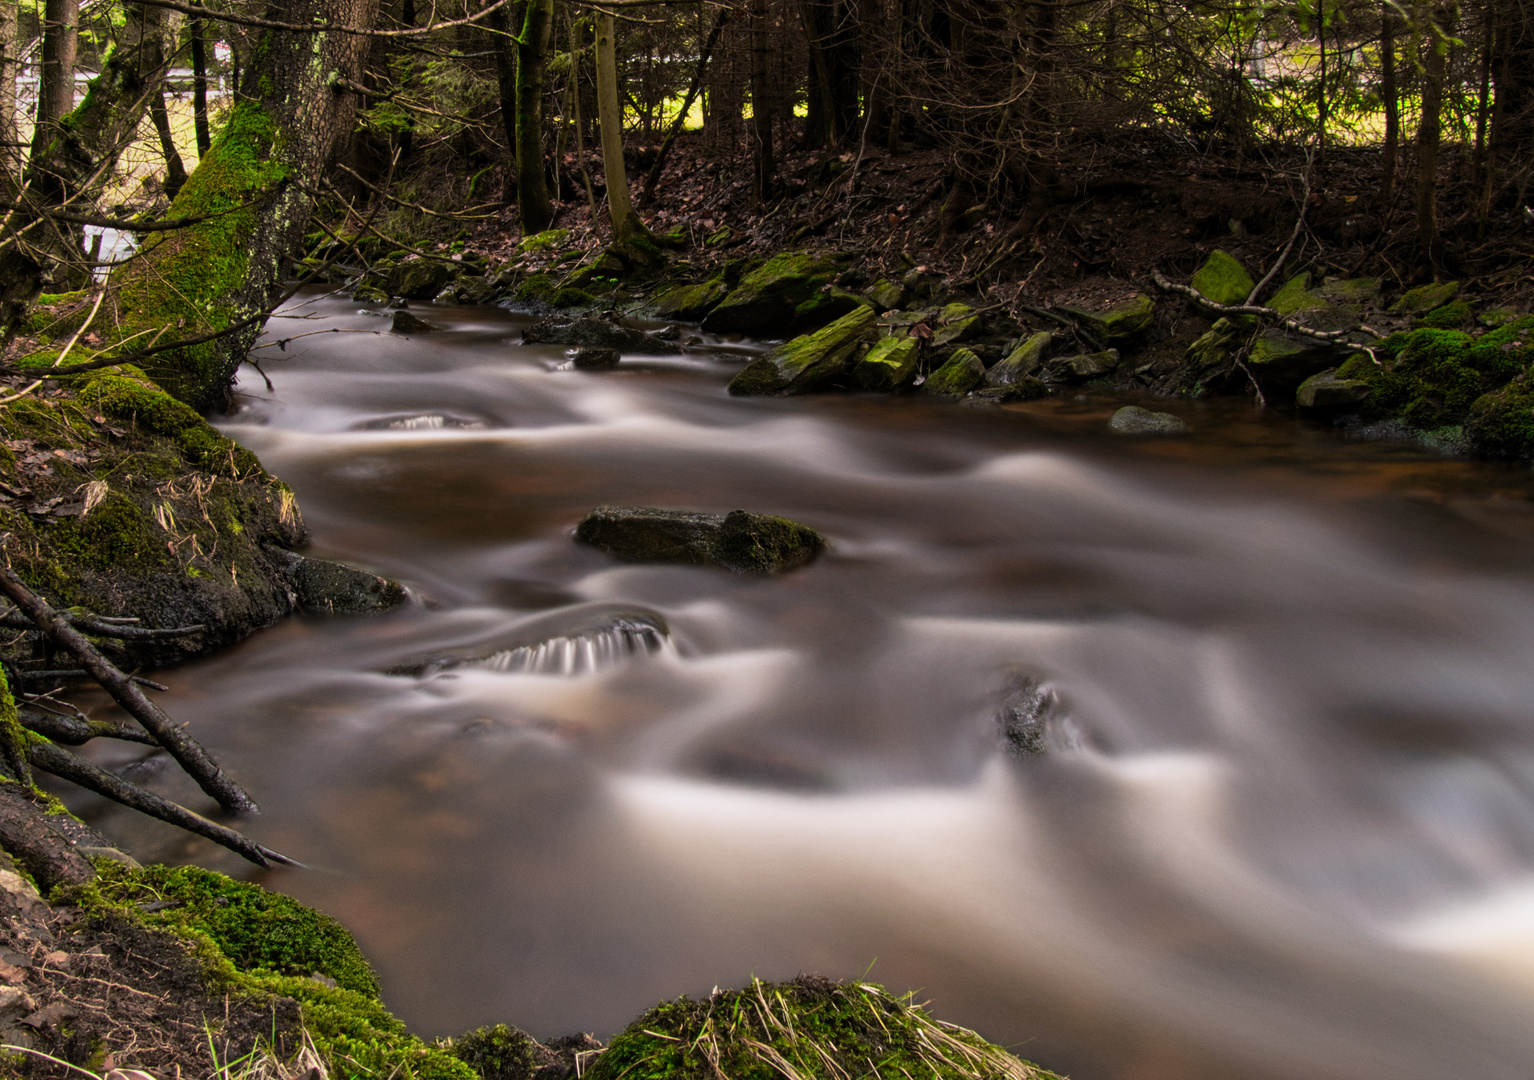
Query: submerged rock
(741,541)
(597,332)
(565,642)
(404,322)
(1133,420)
(806,363)
(595,358)
(330,588)
(889,366)
(961,374)
(1024,713)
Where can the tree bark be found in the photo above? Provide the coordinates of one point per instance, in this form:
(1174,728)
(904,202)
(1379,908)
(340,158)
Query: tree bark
(197,31)
(532,174)
(10,152)
(1429,131)
(506,87)
(1391,94)
(56,81)
(721,18)
(626,223)
(761,112)
(175,172)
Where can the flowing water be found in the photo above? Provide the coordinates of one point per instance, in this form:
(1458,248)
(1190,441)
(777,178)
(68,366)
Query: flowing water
(1283,820)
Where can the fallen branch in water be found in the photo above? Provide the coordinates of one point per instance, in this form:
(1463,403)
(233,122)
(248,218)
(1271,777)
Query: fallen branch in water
(77,730)
(61,763)
(1336,337)
(187,751)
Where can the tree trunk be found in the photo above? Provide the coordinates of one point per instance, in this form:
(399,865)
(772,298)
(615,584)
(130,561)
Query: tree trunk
(10,152)
(830,28)
(506,87)
(197,31)
(721,17)
(257,181)
(1434,64)
(761,113)
(532,175)
(1391,94)
(626,223)
(1512,135)
(175,172)
(56,82)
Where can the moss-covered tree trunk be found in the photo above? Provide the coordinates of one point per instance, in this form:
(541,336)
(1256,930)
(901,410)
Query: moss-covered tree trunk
(257,183)
(56,79)
(532,177)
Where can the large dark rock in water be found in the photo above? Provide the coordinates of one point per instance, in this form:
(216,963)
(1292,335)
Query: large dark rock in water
(334,589)
(419,279)
(595,332)
(781,294)
(741,541)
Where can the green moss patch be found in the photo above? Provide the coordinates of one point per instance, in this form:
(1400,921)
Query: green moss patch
(808,1028)
(1431,378)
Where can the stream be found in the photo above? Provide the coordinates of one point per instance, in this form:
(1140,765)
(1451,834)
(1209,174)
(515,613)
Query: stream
(1283,820)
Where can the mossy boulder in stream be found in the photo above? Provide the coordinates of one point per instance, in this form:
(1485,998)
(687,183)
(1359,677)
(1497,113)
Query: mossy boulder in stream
(690,303)
(806,363)
(741,541)
(768,299)
(809,1029)
(419,279)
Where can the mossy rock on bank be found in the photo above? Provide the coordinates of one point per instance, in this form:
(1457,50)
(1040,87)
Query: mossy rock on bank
(1501,423)
(806,363)
(1424,298)
(741,541)
(955,324)
(961,373)
(1023,362)
(1281,360)
(691,303)
(1327,392)
(332,588)
(1223,279)
(419,279)
(810,1029)
(548,240)
(1084,368)
(769,298)
(1119,324)
(890,365)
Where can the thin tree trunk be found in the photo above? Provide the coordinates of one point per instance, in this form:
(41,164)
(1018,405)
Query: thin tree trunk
(532,175)
(10,153)
(175,171)
(56,82)
(197,31)
(1482,170)
(1429,131)
(506,87)
(626,223)
(576,34)
(721,18)
(761,112)
(1391,94)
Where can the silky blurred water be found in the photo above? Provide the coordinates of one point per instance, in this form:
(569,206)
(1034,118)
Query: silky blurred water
(1284,825)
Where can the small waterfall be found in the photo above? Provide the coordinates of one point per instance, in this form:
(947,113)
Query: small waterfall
(597,649)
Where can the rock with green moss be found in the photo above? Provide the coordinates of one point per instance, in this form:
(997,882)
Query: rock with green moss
(955,324)
(596,332)
(1282,359)
(961,373)
(1430,378)
(1023,362)
(370,294)
(1223,279)
(741,541)
(890,365)
(806,363)
(1424,298)
(548,240)
(419,279)
(690,303)
(1497,317)
(886,294)
(1455,315)
(810,1028)
(828,304)
(536,289)
(767,298)
(567,297)
(1119,324)
(1137,421)
(1084,368)
(1295,298)
(1350,290)
(1325,391)
(1501,423)
(499,1052)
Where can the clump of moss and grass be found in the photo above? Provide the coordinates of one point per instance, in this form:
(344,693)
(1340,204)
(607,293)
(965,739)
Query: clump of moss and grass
(258,948)
(1431,378)
(804,1029)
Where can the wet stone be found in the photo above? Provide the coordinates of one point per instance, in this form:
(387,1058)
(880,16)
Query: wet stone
(1133,420)
(404,322)
(594,358)
(330,588)
(741,541)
